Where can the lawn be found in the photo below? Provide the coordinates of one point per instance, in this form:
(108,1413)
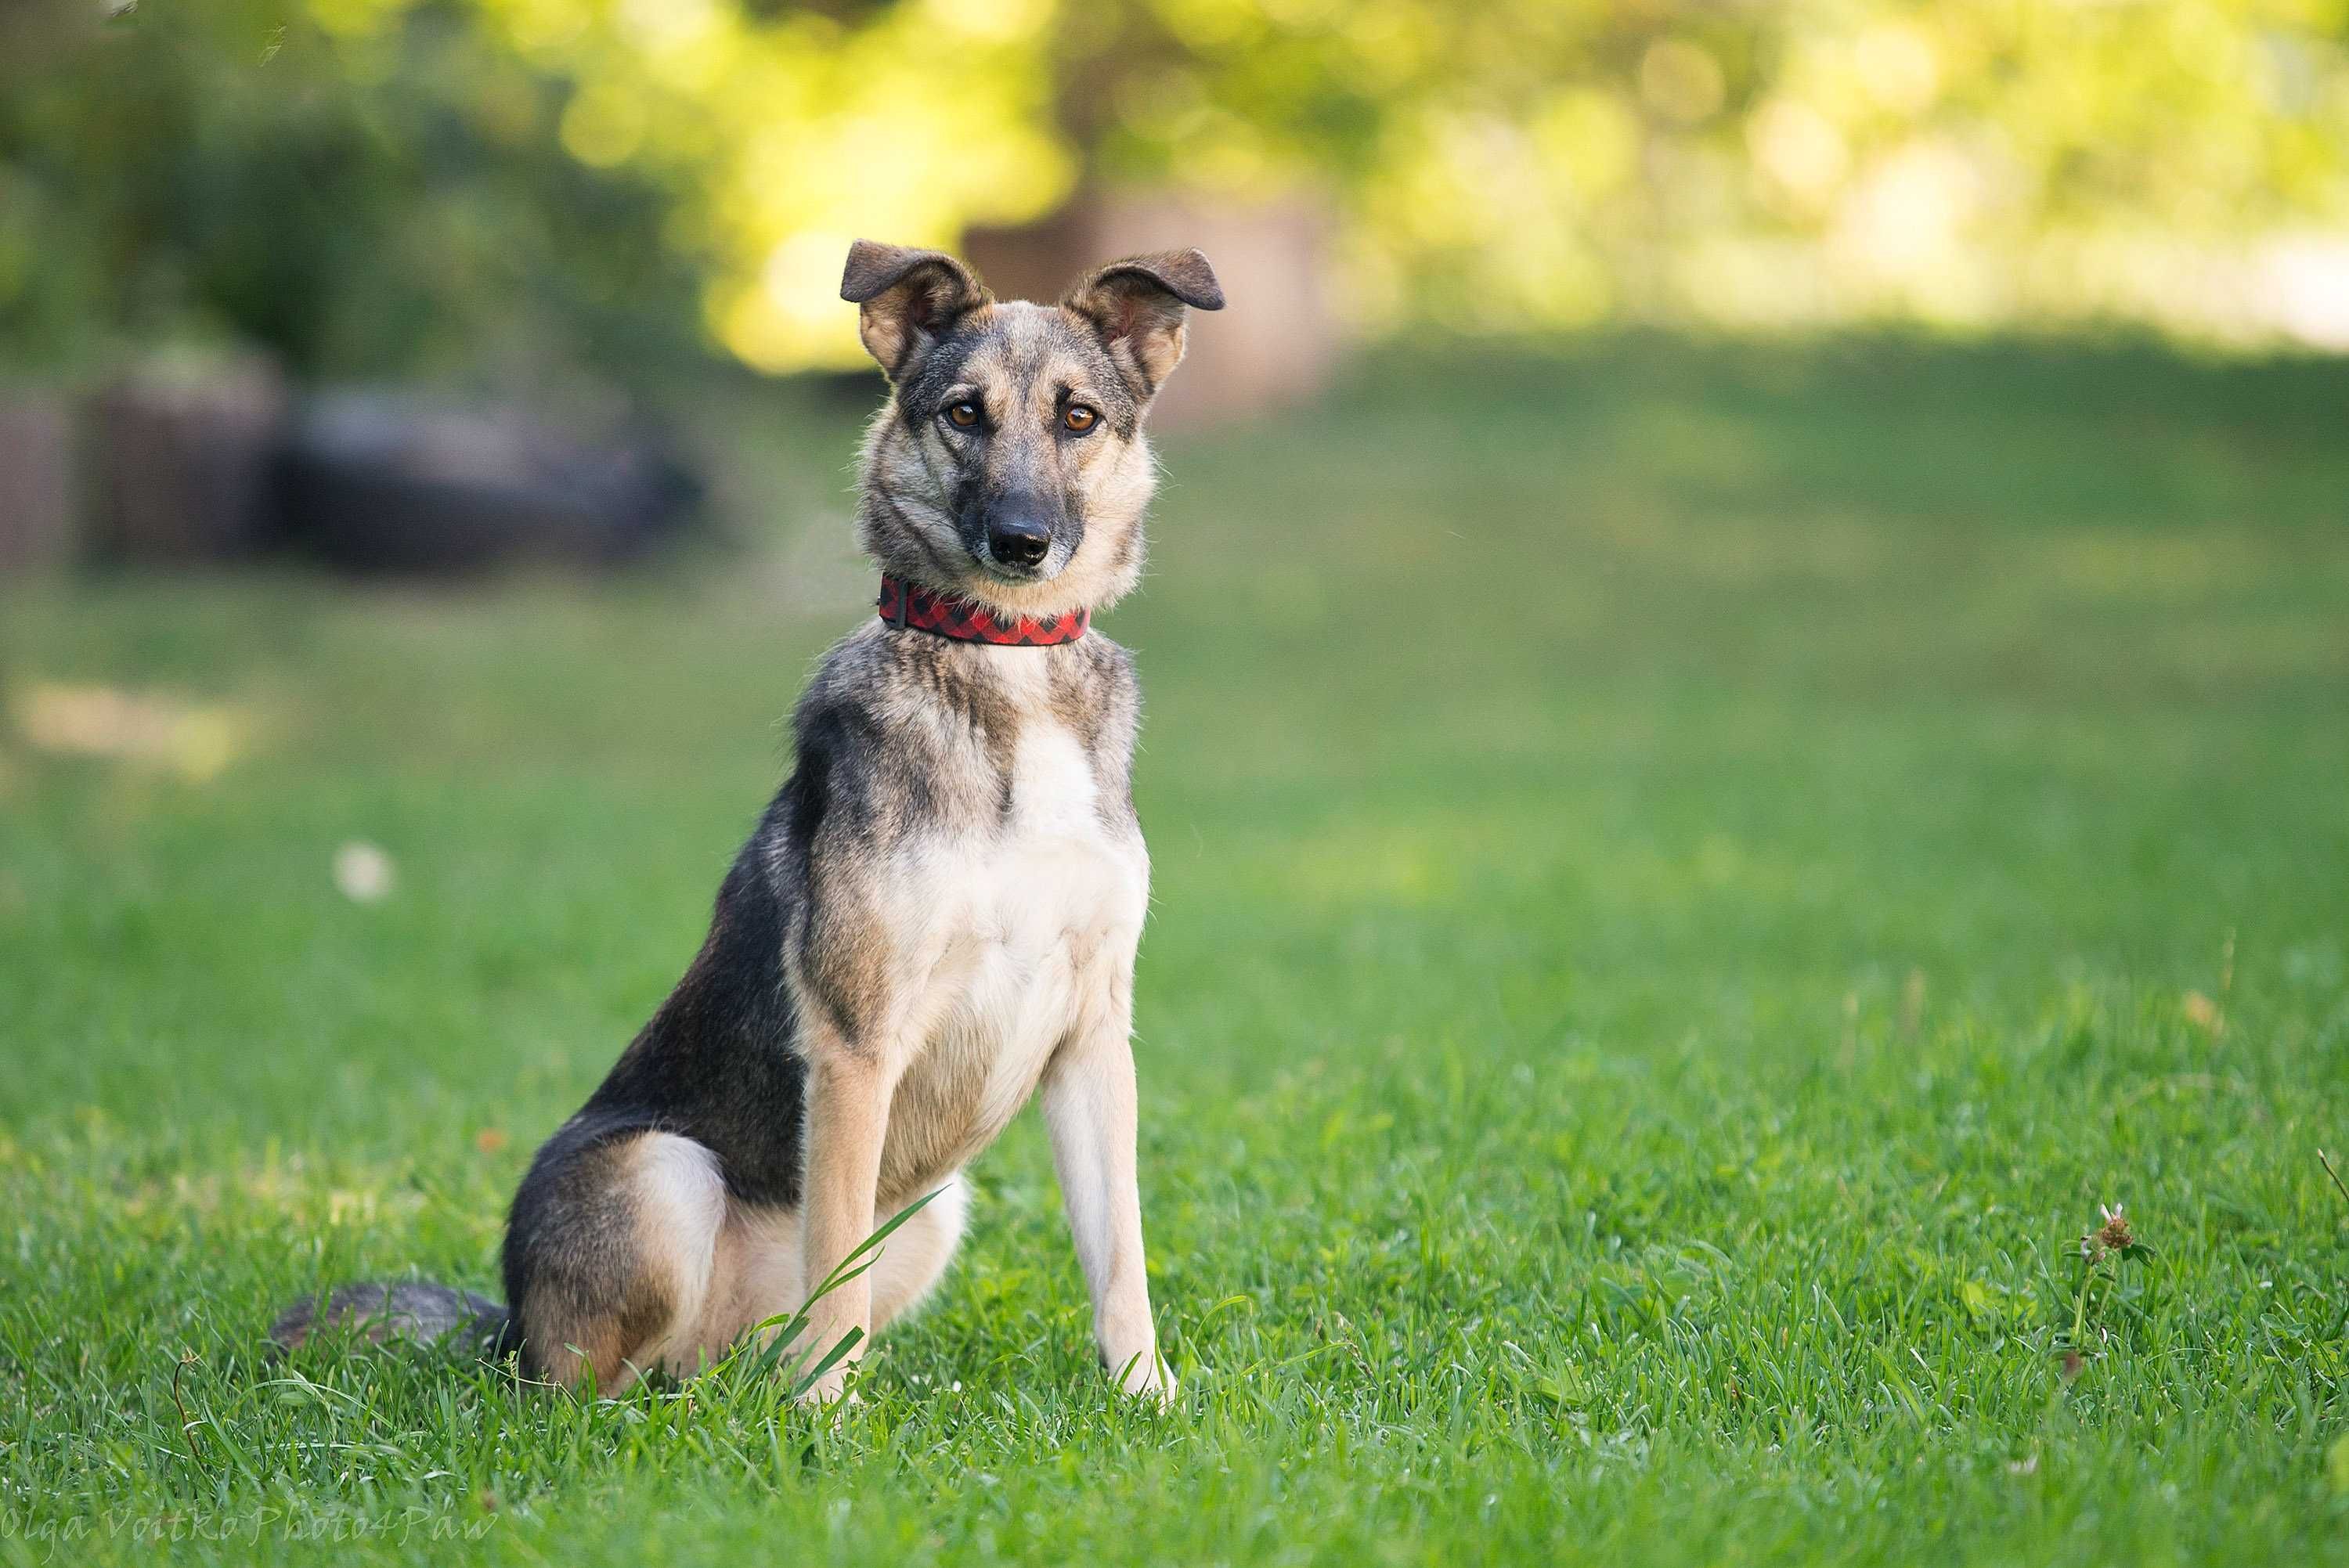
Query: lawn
(1684,876)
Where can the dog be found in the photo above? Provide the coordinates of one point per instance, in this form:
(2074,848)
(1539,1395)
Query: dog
(935,918)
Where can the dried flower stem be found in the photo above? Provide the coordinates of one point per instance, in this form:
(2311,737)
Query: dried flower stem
(2099,1248)
(187,1426)
(2320,1159)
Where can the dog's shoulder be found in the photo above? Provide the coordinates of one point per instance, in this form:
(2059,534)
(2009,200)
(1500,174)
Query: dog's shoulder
(907,688)
(884,687)
(903,733)
(1097,696)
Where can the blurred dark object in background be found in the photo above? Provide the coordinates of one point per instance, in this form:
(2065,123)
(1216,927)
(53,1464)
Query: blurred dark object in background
(381,481)
(36,489)
(180,451)
(244,201)
(1277,341)
(205,460)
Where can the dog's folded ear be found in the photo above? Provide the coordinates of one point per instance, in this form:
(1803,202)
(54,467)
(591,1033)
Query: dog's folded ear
(907,297)
(1137,307)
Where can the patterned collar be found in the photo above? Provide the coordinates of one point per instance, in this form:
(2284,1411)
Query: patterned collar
(907,607)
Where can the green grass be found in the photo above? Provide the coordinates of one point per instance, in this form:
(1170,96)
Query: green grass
(1684,874)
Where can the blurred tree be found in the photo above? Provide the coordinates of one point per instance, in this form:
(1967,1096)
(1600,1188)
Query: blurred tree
(373,184)
(1554,161)
(235,171)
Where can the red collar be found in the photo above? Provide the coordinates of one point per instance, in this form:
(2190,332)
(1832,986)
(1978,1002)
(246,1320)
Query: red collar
(902,605)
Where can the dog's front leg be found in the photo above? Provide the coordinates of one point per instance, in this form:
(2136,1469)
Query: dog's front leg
(847,1119)
(1088,1105)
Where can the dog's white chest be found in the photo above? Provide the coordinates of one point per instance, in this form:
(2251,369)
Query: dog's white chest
(1055,800)
(1045,915)
(1058,910)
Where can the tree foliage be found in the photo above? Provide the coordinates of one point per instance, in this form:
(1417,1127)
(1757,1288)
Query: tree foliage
(372,183)
(235,171)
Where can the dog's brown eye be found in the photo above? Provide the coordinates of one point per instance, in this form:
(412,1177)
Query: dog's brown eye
(1080,418)
(965,414)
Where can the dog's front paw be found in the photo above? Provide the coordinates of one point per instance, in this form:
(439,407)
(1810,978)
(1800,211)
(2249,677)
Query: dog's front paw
(830,1391)
(1146,1375)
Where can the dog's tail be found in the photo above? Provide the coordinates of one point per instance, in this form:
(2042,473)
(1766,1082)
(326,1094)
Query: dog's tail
(405,1312)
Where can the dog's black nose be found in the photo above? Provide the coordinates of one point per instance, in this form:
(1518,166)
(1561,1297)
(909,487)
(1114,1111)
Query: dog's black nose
(1019,540)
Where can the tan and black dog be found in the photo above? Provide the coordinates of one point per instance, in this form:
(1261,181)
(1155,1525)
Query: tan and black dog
(935,918)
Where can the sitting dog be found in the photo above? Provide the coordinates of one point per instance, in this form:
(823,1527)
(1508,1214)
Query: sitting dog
(935,918)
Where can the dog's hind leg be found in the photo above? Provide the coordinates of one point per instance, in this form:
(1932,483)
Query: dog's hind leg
(761,1272)
(916,1253)
(609,1258)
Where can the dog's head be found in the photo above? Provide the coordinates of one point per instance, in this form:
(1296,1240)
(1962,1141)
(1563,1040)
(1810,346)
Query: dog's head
(1009,465)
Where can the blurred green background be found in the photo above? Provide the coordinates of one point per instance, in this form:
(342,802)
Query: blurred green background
(373,187)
